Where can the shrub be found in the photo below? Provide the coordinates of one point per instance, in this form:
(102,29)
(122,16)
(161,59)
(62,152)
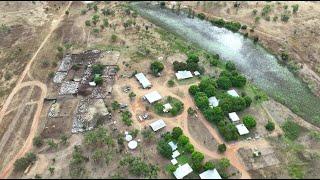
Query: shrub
(205,83)
(98,80)
(179,66)
(238,81)
(295,8)
(83,11)
(170,83)
(244,27)
(222,148)
(213,62)
(156,67)
(192,58)
(270,126)
(126,118)
(291,130)
(201,16)
(191,111)
(275,18)
(22,163)
(230,66)
(255,39)
(97,69)
(285,17)
(37,141)
(114,38)
(223,164)
(249,122)
(88,23)
(164,149)
(254,12)
(248,101)
(148,134)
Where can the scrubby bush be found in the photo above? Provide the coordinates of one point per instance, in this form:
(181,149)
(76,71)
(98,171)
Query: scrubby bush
(295,8)
(201,100)
(285,17)
(238,81)
(201,16)
(224,82)
(22,163)
(176,133)
(291,129)
(214,115)
(228,131)
(230,66)
(270,126)
(248,101)
(209,166)
(37,141)
(222,148)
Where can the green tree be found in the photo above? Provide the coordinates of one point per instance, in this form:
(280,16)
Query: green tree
(228,131)
(201,100)
(114,38)
(170,83)
(132,95)
(214,115)
(249,121)
(115,105)
(98,80)
(270,126)
(209,166)
(197,158)
(248,101)
(189,148)
(51,170)
(224,83)
(156,67)
(222,148)
(176,133)
(164,149)
(193,89)
(238,81)
(210,91)
(183,140)
(295,8)
(87,23)
(223,164)
(64,139)
(95,19)
(291,129)
(192,58)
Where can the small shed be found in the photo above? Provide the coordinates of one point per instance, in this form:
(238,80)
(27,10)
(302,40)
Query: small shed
(233,93)
(143,80)
(167,107)
(182,171)
(196,73)
(234,117)
(158,125)
(210,174)
(153,97)
(175,154)
(174,161)
(213,101)
(183,75)
(242,129)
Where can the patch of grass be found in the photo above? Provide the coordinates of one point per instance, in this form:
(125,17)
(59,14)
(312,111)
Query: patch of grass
(291,129)
(296,170)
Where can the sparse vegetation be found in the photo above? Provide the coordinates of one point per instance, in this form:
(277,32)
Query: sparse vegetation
(22,163)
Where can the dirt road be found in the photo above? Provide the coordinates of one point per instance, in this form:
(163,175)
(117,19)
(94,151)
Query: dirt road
(20,84)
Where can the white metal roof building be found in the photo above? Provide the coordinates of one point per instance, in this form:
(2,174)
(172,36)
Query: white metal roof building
(196,73)
(143,80)
(213,101)
(173,145)
(158,125)
(153,97)
(234,117)
(242,129)
(174,161)
(210,174)
(233,93)
(167,107)
(175,154)
(183,75)
(182,171)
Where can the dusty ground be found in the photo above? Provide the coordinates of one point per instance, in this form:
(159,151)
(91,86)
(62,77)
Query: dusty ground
(298,37)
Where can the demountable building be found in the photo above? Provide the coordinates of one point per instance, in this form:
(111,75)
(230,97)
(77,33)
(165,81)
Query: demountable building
(233,93)
(175,154)
(242,129)
(182,171)
(158,125)
(143,80)
(234,117)
(173,145)
(210,174)
(153,97)
(213,101)
(183,75)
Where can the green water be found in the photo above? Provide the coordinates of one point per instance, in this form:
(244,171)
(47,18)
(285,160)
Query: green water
(261,67)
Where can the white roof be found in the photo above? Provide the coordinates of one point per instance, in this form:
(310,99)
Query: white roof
(196,73)
(183,75)
(175,154)
(242,129)
(182,171)
(174,161)
(173,145)
(143,80)
(92,83)
(233,93)
(153,96)
(128,137)
(210,174)
(167,107)
(234,117)
(158,125)
(213,101)
(132,144)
